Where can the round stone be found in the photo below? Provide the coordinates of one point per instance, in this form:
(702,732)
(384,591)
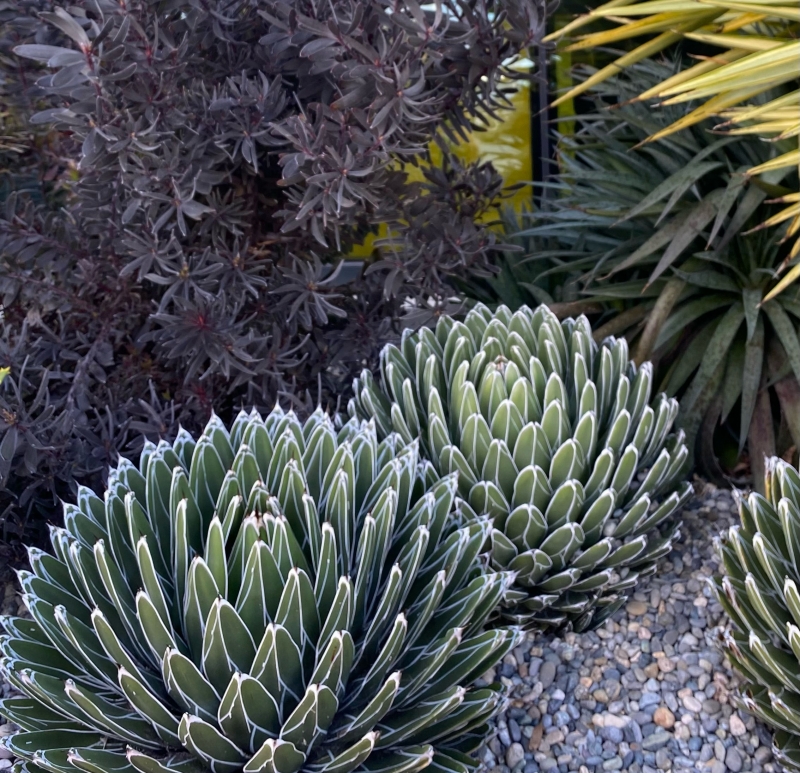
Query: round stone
(663,717)
(636,608)
(733,760)
(737,726)
(711,706)
(665,665)
(547,674)
(690,703)
(515,755)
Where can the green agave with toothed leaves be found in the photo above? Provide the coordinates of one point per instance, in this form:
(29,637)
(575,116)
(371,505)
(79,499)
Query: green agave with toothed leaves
(276,598)
(759,588)
(555,438)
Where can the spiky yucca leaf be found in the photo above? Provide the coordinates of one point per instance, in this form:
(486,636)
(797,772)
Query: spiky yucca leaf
(760,58)
(548,433)
(273,599)
(759,589)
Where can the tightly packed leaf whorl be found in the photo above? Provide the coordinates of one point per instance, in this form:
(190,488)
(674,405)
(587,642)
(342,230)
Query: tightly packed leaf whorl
(279,598)
(759,588)
(549,434)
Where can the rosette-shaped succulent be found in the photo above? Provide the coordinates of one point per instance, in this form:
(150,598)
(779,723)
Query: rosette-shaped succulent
(555,438)
(282,597)
(759,588)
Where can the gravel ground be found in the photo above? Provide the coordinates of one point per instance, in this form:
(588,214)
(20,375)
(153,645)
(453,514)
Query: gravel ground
(647,692)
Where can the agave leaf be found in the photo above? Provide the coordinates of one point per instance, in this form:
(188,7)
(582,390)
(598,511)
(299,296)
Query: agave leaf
(408,759)
(655,475)
(531,566)
(562,543)
(257,602)
(644,428)
(402,725)
(594,582)
(478,706)
(665,510)
(630,520)
(349,759)
(770,613)
(597,515)
(781,664)
(468,663)
(311,718)
(601,474)
(428,662)
(500,468)
(123,724)
(333,665)
(626,469)
(158,637)
(486,498)
(384,660)
(560,582)
(201,594)
(353,725)
(297,611)
(532,487)
(278,666)
(150,707)
(567,463)
(83,639)
(626,554)
(422,611)
(453,461)
(586,436)
(188,687)
(788,517)
(526,527)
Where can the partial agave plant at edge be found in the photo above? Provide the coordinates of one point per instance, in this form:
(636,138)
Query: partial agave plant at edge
(555,438)
(276,598)
(759,588)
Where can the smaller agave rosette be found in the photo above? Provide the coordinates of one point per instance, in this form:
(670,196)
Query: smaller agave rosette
(555,438)
(759,588)
(280,598)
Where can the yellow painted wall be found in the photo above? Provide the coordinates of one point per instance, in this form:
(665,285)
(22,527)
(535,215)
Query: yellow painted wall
(506,143)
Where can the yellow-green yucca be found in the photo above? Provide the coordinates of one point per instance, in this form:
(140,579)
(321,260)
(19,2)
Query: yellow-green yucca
(279,598)
(759,55)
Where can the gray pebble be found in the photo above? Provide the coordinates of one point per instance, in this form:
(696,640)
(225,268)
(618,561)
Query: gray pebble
(733,760)
(547,674)
(656,740)
(515,755)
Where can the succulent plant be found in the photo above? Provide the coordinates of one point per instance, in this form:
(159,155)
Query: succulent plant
(758,588)
(552,436)
(277,598)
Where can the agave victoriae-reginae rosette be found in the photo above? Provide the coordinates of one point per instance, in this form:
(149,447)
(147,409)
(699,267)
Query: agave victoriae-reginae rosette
(280,598)
(760,590)
(551,435)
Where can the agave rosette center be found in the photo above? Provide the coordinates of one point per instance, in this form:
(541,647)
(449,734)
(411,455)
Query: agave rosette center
(282,597)
(555,438)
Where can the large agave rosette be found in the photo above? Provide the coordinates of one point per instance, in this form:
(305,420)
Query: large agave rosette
(282,597)
(759,588)
(553,436)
